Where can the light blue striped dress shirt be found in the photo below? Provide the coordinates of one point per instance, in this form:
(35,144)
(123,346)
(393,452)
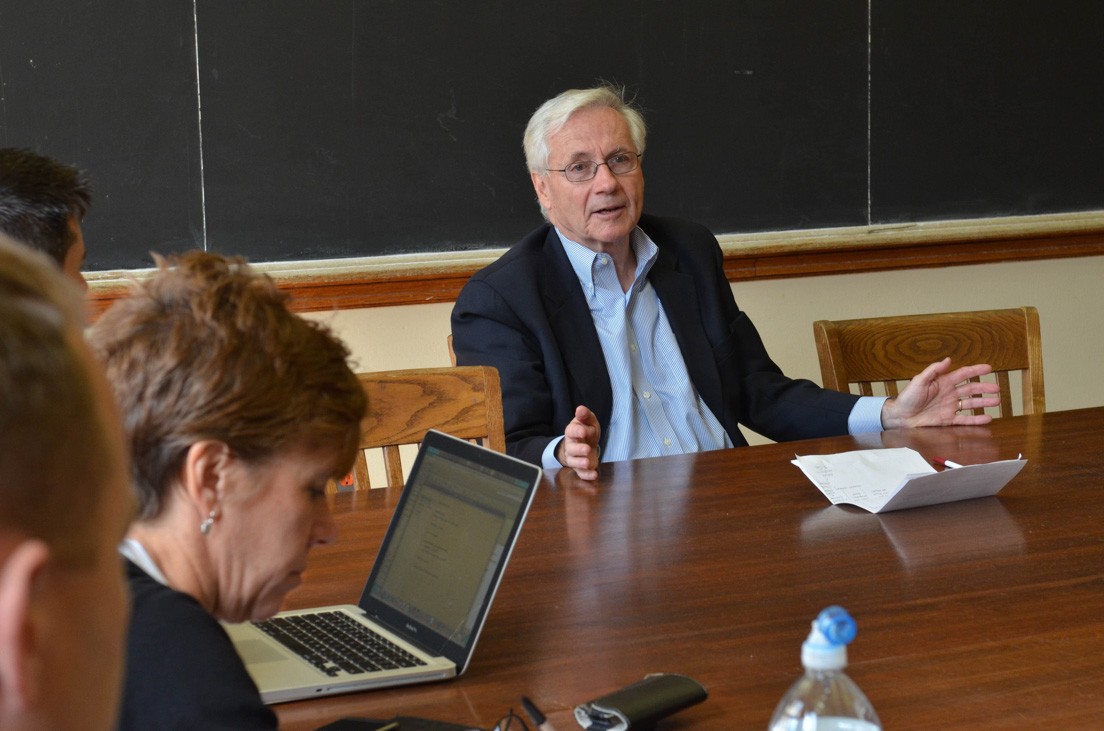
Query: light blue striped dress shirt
(656,409)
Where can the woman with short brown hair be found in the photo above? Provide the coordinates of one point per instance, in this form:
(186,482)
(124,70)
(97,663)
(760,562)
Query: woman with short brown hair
(238,413)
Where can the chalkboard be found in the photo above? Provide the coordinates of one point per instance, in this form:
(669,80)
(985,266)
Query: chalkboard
(110,87)
(987,109)
(298,129)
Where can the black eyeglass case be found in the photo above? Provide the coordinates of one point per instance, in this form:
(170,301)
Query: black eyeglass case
(640,705)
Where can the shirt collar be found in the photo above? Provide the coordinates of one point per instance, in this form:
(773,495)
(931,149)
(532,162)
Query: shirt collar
(140,557)
(582,258)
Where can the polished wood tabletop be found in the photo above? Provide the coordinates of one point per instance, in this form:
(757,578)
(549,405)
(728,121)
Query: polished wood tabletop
(985,613)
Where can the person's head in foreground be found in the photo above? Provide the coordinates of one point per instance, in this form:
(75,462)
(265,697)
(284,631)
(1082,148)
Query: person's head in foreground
(238,412)
(42,204)
(64,505)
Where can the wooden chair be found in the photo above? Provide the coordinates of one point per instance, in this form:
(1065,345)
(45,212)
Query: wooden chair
(892,349)
(402,405)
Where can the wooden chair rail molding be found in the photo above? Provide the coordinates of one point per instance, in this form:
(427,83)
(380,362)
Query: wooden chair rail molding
(408,279)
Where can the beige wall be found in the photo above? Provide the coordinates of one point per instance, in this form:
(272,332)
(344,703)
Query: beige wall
(1067,292)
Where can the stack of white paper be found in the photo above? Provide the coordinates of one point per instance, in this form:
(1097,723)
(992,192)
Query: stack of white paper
(881,480)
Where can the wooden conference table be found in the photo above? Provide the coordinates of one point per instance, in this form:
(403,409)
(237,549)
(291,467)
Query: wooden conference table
(985,613)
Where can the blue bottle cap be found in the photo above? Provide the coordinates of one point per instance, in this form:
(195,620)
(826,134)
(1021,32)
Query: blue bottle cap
(826,646)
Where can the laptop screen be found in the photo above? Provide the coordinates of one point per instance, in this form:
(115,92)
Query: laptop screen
(448,543)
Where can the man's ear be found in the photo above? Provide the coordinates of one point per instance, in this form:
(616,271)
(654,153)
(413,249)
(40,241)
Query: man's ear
(540,184)
(22,671)
(203,478)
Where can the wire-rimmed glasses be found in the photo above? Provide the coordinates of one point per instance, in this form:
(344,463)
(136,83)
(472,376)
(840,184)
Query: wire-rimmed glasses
(511,722)
(581,171)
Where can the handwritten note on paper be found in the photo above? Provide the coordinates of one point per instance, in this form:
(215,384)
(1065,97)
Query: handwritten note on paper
(881,480)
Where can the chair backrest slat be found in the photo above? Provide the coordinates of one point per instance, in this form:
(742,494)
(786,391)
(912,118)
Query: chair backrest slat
(465,402)
(893,349)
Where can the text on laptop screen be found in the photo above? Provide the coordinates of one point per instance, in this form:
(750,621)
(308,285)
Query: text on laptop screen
(441,561)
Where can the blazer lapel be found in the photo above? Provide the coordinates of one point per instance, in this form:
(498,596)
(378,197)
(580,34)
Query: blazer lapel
(679,296)
(573,327)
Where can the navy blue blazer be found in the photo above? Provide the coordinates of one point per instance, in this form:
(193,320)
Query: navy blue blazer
(526,315)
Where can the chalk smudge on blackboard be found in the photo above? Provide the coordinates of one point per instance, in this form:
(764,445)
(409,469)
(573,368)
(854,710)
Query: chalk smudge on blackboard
(450,114)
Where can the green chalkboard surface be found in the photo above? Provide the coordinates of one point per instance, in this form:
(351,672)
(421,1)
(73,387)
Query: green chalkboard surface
(297,129)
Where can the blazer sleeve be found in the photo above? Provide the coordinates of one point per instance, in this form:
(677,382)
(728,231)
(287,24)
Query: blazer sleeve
(487,331)
(774,405)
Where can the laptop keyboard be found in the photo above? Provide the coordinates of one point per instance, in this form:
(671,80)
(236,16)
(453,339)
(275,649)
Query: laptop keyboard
(333,641)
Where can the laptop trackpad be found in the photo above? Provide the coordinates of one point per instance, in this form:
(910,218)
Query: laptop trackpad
(258,651)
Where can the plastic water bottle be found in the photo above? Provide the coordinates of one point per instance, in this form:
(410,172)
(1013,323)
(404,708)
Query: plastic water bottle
(825,699)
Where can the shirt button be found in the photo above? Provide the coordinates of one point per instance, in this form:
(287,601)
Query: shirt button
(667,442)
(647,394)
(632,347)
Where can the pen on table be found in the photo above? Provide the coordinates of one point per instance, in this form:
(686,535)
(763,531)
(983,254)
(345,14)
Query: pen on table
(389,727)
(536,716)
(946,463)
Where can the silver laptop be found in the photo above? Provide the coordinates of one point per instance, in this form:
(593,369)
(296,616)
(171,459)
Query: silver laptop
(429,591)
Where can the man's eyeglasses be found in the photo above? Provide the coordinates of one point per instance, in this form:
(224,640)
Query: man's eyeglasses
(581,171)
(511,722)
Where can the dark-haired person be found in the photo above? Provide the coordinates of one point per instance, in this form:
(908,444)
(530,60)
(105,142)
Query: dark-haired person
(42,204)
(64,506)
(616,334)
(238,413)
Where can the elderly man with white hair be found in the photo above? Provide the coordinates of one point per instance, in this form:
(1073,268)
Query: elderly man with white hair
(616,334)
